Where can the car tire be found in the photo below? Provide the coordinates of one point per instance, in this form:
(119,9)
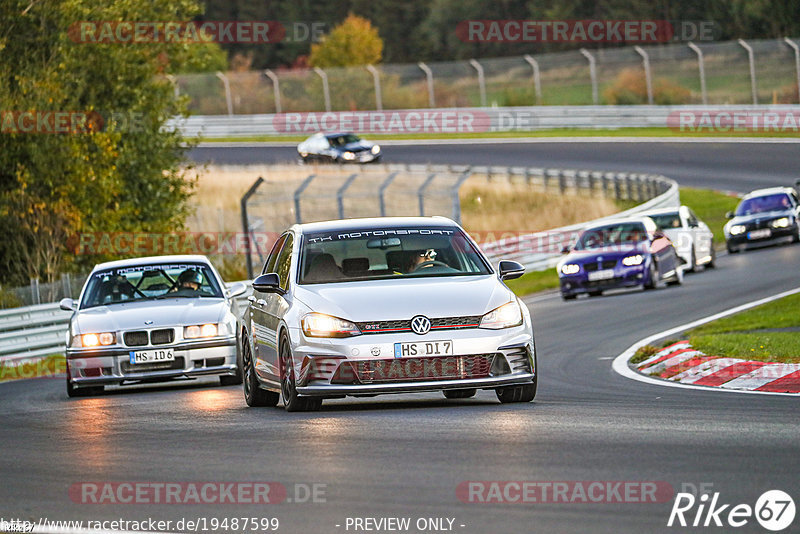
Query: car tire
(692,261)
(91,391)
(652,281)
(712,263)
(291,400)
(254,395)
(595,293)
(524,393)
(568,297)
(678,278)
(459,393)
(732,250)
(796,237)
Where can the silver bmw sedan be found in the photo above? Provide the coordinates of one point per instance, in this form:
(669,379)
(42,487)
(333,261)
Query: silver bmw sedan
(151,319)
(388,305)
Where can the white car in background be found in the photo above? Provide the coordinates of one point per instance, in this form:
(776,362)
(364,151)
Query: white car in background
(693,239)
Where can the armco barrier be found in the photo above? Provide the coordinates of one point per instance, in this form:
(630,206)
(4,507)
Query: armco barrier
(456,120)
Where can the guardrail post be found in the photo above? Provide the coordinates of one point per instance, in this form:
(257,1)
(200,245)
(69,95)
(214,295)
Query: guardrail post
(421,193)
(640,188)
(382,191)
(537,80)
(429,76)
(66,286)
(592,74)
(455,192)
(605,185)
(246,225)
(481,80)
(326,94)
(628,187)
(228,98)
(752,60)
(647,78)
(340,194)
(376,80)
(562,182)
(35,296)
(796,49)
(617,187)
(299,191)
(176,90)
(701,65)
(276,89)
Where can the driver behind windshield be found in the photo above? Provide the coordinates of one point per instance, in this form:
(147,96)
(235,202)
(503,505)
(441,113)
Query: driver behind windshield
(189,282)
(423,259)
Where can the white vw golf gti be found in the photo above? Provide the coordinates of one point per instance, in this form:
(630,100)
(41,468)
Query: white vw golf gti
(388,305)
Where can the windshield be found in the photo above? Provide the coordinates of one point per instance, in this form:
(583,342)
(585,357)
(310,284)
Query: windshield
(667,221)
(776,202)
(344,139)
(607,236)
(391,253)
(144,282)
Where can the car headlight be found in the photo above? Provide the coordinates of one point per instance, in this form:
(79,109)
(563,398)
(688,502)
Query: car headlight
(630,261)
(321,325)
(570,268)
(505,316)
(783,222)
(737,229)
(349,156)
(375,149)
(196,331)
(94,340)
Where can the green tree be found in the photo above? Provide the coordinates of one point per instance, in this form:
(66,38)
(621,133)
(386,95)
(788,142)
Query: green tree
(354,42)
(126,177)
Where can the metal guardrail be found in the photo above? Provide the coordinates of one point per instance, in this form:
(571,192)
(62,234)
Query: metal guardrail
(453,120)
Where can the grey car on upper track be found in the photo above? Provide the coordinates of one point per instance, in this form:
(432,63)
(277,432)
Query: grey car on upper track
(152,319)
(387,305)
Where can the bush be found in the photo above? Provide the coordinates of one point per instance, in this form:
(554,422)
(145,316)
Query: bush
(630,88)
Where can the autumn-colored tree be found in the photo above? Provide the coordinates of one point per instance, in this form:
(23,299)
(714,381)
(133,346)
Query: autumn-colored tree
(125,177)
(353,42)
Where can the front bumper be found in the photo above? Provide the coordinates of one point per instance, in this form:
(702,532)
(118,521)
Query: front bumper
(366,365)
(623,277)
(775,235)
(112,365)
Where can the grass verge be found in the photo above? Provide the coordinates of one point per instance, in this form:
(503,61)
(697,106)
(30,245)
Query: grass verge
(39,367)
(711,207)
(534,281)
(561,132)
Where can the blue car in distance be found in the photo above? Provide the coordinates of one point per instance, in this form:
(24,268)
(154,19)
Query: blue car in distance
(622,253)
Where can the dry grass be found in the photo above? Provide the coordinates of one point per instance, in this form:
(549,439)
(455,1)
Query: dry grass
(520,207)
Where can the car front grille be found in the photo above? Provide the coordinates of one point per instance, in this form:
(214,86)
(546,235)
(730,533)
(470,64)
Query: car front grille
(404,325)
(596,266)
(162,337)
(136,338)
(432,368)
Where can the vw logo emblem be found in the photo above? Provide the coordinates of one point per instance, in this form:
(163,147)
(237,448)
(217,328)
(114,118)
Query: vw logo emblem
(420,325)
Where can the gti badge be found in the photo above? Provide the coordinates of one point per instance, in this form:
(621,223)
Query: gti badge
(420,325)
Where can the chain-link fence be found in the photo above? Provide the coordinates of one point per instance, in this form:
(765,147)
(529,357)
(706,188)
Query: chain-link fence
(69,285)
(735,72)
(273,205)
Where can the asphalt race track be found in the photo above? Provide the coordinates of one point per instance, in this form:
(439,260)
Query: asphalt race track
(404,456)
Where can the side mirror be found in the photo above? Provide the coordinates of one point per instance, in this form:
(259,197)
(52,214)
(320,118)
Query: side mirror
(510,270)
(658,234)
(729,215)
(565,249)
(268,283)
(236,289)
(67,305)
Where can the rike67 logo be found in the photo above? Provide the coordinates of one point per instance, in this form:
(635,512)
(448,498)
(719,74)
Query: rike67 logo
(774,510)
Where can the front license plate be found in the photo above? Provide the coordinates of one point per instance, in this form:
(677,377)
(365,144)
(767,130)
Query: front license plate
(759,234)
(423,348)
(152,356)
(605,274)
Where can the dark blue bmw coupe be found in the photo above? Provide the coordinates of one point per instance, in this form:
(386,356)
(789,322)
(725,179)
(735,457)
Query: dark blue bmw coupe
(617,254)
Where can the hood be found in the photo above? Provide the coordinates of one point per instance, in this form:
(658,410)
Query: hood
(583,256)
(764,215)
(358,146)
(167,312)
(383,300)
